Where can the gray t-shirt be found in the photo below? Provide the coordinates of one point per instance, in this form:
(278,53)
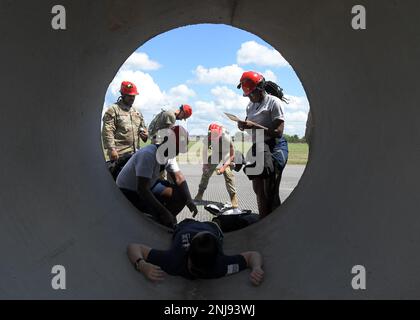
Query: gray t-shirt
(143,164)
(265,112)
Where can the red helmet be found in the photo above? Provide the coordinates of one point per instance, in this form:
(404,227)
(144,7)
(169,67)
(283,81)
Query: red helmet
(215,131)
(187,110)
(250,81)
(128,88)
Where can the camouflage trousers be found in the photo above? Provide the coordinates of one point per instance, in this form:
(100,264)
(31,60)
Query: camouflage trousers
(228,175)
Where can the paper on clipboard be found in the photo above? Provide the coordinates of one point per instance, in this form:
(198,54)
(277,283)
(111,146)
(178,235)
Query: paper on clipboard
(236,119)
(233,117)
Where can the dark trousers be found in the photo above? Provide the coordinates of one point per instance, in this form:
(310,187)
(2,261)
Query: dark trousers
(174,204)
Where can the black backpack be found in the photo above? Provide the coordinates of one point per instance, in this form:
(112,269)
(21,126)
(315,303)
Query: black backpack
(232,222)
(275,90)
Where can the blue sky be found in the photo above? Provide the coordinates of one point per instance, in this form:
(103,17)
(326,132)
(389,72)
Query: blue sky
(200,65)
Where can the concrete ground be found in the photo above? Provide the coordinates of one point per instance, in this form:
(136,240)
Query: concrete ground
(216,191)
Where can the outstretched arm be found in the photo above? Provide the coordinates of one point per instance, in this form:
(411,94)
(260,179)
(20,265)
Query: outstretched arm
(138,253)
(254,261)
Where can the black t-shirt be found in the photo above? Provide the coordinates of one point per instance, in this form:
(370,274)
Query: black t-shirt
(175,260)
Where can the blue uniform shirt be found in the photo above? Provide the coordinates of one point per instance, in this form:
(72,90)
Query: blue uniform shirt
(175,260)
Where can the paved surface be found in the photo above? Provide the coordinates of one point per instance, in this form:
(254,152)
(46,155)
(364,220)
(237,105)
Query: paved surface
(358,204)
(217,193)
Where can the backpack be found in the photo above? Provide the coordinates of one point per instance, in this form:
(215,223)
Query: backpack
(275,90)
(232,222)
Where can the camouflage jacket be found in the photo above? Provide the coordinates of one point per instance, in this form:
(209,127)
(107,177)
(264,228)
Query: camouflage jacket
(163,120)
(121,128)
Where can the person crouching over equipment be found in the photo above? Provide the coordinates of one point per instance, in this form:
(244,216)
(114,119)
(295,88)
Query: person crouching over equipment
(265,110)
(139,179)
(222,148)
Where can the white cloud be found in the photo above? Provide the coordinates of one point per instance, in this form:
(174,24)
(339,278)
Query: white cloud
(225,75)
(296,104)
(269,75)
(299,116)
(182,90)
(205,112)
(253,53)
(150,94)
(228,74)
(179,95)
(291,129)
(141,60)
(151,98)
(229,100)
(296,113)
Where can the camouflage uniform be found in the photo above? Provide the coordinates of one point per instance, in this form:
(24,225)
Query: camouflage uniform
(228,174)
(121,128)
(163,120)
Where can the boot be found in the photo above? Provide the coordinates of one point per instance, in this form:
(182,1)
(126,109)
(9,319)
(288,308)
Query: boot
(234,201)
(199,196)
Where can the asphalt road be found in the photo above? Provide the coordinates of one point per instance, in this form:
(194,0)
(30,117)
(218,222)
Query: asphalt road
(216,191)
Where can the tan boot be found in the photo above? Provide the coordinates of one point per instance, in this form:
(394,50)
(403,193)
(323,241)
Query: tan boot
(199,196)
(234,201)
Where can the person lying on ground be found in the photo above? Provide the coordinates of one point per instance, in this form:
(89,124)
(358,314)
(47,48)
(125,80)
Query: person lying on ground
(196,252)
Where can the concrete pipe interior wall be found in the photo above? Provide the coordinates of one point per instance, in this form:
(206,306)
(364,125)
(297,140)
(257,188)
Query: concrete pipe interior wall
(356,204)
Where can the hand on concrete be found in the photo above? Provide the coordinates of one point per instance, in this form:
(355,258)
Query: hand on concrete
(256,276)
(151,271)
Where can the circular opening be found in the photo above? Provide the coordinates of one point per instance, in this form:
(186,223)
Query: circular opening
(200,66)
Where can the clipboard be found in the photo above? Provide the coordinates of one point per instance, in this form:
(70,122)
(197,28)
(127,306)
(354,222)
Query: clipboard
(236,119)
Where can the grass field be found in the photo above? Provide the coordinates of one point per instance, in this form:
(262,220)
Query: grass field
(298,152)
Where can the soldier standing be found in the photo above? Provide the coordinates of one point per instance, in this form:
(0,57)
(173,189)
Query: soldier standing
(222,150)
(123,125)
